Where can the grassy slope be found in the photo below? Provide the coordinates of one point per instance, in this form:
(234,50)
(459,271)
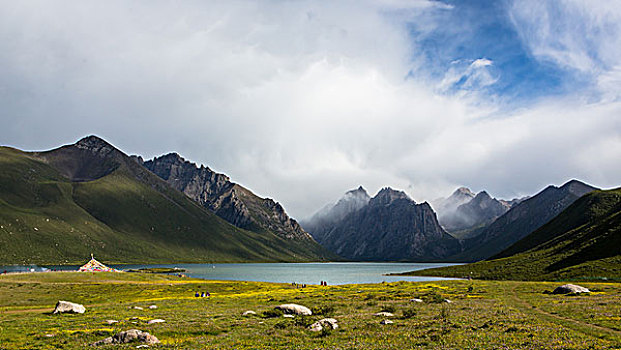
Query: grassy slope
(509,315)
(47,219)
(581,243)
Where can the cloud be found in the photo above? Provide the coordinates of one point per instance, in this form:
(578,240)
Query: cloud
(299,101)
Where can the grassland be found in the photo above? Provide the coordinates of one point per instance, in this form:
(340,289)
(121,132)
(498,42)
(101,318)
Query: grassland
(482,315)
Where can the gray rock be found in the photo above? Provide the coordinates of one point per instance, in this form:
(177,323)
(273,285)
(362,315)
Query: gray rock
(570,288)
(111,321)
(130,336)
(416,300)
(68,307)
(327,323)
(447,301)
(384,314)
(138,308)
(152,307)
(288,316)
(249,313)
(294,309)
(386,322)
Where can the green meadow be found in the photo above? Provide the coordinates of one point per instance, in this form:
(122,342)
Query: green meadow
(481,315)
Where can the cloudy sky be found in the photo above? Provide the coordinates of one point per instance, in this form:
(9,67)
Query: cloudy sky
(303,100)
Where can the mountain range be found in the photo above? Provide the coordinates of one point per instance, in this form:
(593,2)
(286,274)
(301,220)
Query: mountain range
(582,242)
(59,206)
(387,227)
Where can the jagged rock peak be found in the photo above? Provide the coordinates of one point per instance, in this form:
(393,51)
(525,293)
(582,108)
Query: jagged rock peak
(94,143)
(388,195)
(483,195)
(358,191)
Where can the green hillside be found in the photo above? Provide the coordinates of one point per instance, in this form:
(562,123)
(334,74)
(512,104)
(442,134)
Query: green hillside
(581,243)
(60,206)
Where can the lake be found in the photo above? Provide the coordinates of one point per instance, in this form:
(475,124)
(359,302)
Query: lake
(305,273)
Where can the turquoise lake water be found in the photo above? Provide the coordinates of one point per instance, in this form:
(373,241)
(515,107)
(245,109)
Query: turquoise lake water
(307,273)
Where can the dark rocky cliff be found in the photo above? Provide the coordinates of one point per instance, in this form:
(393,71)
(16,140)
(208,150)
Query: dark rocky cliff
(228,200)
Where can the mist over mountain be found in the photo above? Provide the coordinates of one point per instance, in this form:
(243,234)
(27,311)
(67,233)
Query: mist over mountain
(328,216)
(463,211)
(389,227)
(522,219)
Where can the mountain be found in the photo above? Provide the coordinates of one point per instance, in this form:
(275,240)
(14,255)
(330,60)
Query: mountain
(230,201)
(521,220)
(445,207)
(322,221)
(390,227)
(479,211)
(582,242)
(61,205)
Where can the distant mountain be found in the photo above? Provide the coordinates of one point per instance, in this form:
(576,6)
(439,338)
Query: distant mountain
(62,205)
(230,201)
(521,220)
(326,218)
(390,227)
(582,242)
(462,213)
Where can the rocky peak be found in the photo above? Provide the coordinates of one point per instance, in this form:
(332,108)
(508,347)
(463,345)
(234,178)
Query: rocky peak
(387,196)
(577,188)
(95,144)
(462,192)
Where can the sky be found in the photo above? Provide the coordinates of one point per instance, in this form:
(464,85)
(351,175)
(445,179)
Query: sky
(302,100)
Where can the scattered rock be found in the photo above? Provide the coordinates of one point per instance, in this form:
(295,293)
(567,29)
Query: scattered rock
(288,316)
(386,322)
(249,313)
(416,300)
(142,346)
(157,320)
(49,335)
(152,307)
(137,308)
(111,321)
(327,323)
(570,288)
(132,335)
(384,314)
(66,306)
(294,309)
(447,301)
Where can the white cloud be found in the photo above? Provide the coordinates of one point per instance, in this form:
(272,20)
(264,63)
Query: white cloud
(299,101)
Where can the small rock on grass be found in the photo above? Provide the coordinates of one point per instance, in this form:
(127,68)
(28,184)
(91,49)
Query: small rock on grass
(68,307)
(386,322)
(111,321)
(157,320)
(249,313)
(327,323)
(384,314)
(137,308)
(416,300)
(288,316)
(570,288)
(152,307)
(447,301)
(294,309)
(130,336)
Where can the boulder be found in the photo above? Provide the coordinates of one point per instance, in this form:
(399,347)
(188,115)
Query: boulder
(294,309)
(570,288)
(111,321)
(249,313)
(416,300)
(152,307)
(138,308)
(69,307)
(157,320)
(386,322)
(384,314)
(327,323)
(130,336)
(447,301)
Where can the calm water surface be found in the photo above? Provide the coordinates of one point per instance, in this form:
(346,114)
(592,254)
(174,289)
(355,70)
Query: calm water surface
(308,273)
